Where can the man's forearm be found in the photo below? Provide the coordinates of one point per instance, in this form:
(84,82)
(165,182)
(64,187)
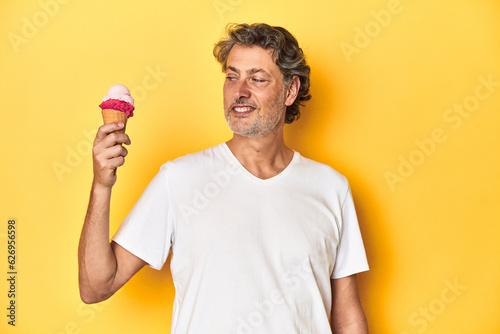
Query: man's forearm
(96,259)
(347,314)
(358,326)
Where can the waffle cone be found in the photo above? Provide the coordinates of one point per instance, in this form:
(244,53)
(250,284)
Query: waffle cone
(111,115)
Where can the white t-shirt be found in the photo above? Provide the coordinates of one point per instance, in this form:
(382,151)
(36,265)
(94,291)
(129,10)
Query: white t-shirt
(248,255)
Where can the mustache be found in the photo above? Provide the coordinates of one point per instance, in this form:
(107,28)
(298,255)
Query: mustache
(245,102)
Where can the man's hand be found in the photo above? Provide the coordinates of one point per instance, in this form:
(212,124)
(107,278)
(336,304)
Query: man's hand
(108,153)
(347,314)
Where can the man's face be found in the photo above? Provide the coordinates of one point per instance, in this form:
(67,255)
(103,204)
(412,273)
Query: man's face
(254,93)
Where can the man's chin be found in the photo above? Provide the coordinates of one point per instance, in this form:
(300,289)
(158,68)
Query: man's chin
(245,132)
(254,130)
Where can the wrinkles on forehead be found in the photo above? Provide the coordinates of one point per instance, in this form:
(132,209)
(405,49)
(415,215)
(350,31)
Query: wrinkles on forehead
(270,51)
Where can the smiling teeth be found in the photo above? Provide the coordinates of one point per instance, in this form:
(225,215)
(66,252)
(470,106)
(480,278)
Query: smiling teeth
(242,109)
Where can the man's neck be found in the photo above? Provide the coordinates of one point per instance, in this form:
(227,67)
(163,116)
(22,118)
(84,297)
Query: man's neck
(265,156)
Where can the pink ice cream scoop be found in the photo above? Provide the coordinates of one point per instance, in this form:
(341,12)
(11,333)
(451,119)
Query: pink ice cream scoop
(117,105)
(118,98)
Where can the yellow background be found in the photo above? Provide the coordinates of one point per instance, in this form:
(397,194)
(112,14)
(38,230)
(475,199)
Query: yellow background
(437,225)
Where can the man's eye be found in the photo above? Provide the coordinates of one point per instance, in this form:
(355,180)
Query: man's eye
(258,80)
(230,78)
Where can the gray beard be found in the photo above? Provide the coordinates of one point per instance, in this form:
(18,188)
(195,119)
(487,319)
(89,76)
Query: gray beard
(260,128)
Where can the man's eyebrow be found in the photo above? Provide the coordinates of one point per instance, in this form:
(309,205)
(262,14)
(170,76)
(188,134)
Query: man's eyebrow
(234,69)
(256,70)
(251,71)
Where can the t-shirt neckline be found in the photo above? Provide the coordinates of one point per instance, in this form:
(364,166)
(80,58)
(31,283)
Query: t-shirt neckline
(282,174)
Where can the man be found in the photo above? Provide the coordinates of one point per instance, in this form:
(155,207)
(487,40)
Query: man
(263,240)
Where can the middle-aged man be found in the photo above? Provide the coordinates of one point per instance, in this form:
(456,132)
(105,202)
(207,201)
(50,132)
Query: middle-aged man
(262,239)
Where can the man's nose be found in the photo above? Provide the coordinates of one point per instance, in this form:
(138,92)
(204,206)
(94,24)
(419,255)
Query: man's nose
(242,90)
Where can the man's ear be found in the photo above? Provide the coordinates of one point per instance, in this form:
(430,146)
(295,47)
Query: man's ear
(292,90)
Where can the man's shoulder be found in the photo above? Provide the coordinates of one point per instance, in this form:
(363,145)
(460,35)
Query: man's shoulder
(321,170)
(195,160)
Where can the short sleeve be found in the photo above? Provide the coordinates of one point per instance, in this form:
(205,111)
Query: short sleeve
(351,256)
(147,231)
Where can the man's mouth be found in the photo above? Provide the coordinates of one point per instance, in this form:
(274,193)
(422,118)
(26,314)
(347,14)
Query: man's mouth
(243,109)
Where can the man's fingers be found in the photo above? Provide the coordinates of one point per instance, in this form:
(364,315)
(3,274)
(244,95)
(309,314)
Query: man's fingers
(107,129)
(109,153)
(116,151)
(116,162)
(113,139)
(112,152)
(108,165)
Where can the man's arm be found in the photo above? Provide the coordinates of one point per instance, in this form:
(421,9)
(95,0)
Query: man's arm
(104,267)
(347,314)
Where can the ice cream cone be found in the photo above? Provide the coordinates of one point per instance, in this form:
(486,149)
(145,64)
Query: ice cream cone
(111,115)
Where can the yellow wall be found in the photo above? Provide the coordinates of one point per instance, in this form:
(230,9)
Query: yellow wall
(388,81)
